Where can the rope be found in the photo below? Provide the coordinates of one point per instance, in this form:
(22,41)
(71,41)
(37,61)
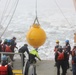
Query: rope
(10,19)
(36,19)
(4,11)
(8,13)
(62,12)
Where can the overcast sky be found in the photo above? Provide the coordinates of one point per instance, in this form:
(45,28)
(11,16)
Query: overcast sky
(46,3)
(42,5)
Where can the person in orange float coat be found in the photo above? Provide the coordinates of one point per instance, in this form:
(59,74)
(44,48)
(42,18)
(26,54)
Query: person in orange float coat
(56,48)
(5,69)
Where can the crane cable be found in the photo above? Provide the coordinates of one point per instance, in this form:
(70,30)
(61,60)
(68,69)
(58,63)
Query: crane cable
(10,19)
(4,11)
(62,12)
(36,18)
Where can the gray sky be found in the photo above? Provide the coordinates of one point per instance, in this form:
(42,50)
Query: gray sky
(42,5)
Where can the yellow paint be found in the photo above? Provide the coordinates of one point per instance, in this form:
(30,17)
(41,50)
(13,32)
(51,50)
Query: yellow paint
(36,36)
(17,72)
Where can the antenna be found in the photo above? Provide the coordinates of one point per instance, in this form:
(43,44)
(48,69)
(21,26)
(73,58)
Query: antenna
(36,18)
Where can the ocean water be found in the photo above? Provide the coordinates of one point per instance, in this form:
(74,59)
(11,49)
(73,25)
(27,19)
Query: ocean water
(56,17)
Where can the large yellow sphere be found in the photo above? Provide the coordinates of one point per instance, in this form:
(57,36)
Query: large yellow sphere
(36,36)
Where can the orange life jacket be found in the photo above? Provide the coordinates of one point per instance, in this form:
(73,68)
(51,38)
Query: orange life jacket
(8,49)
(3,70)
(60,56)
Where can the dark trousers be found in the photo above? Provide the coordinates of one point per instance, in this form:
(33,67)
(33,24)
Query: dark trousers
(23,58)
(63,65)
(28,64)
(27,68)
(68,64)
(74,69)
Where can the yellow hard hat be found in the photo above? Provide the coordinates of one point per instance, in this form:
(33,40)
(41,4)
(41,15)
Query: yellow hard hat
(57,41)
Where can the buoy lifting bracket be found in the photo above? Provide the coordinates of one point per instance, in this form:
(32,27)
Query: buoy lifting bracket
(36,21)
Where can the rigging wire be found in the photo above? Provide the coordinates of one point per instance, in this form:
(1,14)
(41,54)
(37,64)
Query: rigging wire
(36,19)
(4,11)
(62,12)
(9,13)
(10,19)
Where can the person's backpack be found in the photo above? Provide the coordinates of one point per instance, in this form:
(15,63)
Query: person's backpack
(60,56)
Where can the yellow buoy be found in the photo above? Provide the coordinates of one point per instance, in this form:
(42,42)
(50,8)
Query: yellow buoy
(36,36)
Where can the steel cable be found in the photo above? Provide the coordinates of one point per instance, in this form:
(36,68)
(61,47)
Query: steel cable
(62,12)
(10,19)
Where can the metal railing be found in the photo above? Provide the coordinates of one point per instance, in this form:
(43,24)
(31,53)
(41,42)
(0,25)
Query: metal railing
(18,60)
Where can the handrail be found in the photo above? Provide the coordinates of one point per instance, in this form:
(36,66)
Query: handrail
(14,53)
(9,53)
